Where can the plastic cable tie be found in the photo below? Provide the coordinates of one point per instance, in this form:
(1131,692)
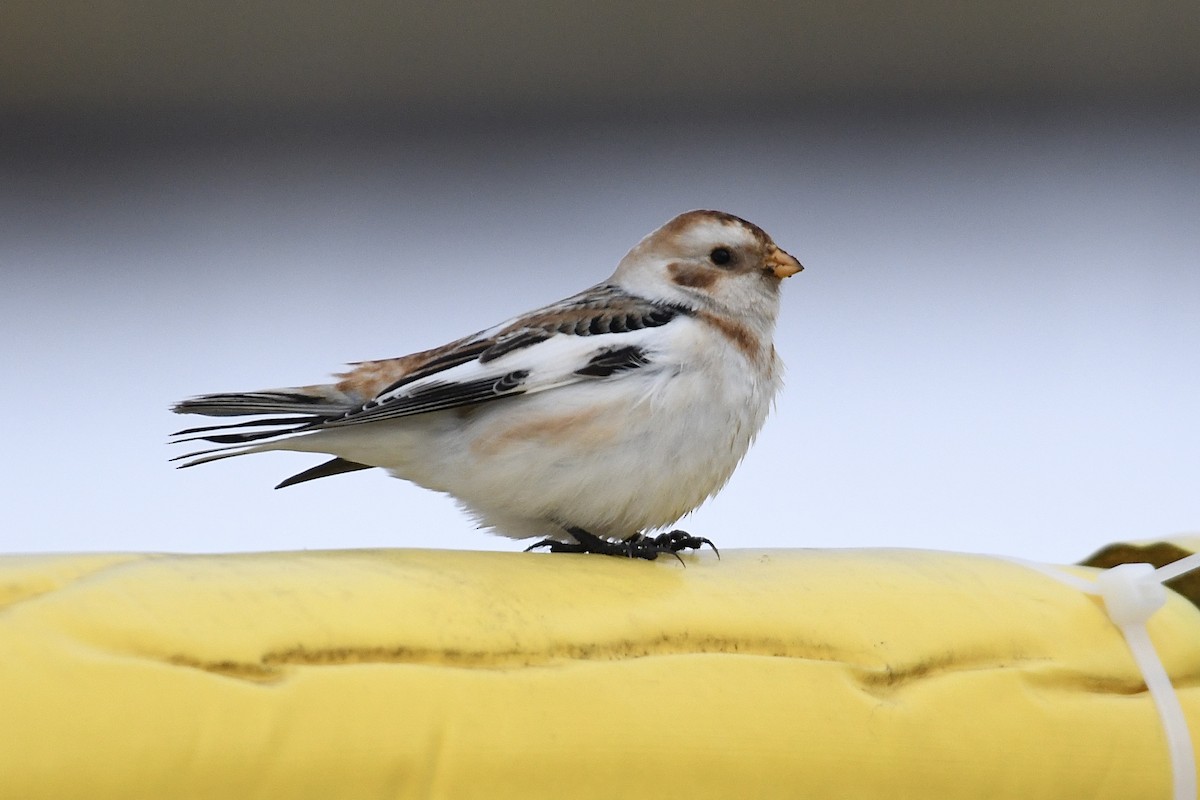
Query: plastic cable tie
(1132,593)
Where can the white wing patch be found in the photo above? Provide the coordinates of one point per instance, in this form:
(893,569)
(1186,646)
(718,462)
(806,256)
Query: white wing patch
(559,360)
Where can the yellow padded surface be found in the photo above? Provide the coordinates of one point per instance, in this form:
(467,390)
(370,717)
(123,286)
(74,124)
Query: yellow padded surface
(416,673)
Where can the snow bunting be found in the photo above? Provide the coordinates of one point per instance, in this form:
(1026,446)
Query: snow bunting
(586,422)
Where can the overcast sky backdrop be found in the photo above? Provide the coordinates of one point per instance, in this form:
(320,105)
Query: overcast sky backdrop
(994,345)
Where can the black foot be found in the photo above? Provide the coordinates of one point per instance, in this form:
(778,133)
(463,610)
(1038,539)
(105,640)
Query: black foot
(636,546)
(677,540)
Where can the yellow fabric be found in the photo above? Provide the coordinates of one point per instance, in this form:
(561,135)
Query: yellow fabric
(412,673)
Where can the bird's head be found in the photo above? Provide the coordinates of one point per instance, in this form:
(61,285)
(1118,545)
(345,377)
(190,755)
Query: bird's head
(709,260)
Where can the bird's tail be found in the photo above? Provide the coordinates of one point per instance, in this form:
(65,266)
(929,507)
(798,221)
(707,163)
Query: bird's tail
(282,414)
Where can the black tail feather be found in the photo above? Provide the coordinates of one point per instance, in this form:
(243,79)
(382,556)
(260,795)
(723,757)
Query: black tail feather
(251,424)
(333,467)
(246,403)
(241,438)
(204,456)
(281,426)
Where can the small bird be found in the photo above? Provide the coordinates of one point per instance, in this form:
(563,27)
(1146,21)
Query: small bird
(586,422)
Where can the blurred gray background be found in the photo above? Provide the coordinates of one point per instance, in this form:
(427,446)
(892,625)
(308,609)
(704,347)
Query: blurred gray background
(995,345)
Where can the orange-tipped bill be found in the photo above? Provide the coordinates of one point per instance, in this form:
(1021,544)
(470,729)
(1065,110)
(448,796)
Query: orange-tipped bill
(782,264)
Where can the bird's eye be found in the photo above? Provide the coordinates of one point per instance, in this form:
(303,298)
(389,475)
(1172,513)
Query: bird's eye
(720,256)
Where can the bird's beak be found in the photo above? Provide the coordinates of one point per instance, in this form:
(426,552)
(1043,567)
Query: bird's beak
(782,264)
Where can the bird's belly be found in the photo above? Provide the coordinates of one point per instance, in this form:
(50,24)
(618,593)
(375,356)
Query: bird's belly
(611,463)
(613,458)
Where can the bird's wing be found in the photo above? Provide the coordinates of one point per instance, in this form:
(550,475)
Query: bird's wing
(578,340)
(558,360)
(598,334)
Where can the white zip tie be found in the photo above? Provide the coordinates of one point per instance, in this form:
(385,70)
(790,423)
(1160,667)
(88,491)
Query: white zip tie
(1131,594)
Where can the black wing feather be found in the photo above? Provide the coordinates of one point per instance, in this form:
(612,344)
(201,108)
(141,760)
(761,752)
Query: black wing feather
(614,359)
(436,397)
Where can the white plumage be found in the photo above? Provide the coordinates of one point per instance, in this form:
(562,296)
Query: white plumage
(586,422)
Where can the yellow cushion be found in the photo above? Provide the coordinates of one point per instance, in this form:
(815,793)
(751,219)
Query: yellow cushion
(416,673)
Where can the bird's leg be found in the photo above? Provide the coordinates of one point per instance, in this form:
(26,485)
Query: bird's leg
(586,542)
(636,546)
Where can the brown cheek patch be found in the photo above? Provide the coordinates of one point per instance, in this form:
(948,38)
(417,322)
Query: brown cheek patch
(692,276)
(738,335)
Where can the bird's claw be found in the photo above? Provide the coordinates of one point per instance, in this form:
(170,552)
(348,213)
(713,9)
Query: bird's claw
(677,540)
(636,546)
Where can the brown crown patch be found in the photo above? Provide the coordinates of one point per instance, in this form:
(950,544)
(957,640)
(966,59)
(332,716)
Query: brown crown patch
(689,218)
